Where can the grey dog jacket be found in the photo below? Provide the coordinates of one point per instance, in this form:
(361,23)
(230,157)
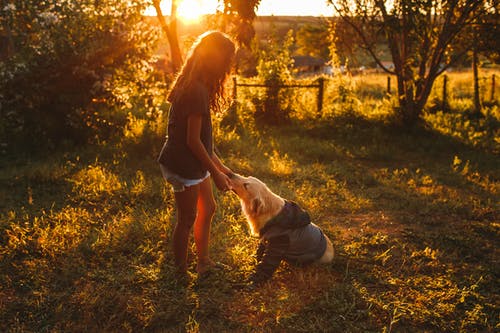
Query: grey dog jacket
(289,236)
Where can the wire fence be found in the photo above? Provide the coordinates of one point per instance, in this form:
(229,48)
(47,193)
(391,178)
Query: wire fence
(445,89)
(319,85)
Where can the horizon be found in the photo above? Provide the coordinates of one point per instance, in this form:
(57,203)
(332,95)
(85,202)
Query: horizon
(192,10)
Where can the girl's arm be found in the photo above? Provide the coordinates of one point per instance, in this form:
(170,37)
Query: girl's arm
(194,143)
(218,163)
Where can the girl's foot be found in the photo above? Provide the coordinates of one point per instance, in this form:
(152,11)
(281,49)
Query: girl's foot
(205,269)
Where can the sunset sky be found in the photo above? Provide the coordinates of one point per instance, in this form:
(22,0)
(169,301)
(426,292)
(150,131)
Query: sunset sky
(295,7)
(191,9)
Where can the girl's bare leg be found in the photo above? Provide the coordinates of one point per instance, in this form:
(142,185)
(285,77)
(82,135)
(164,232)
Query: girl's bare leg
(186,202)
(206,210)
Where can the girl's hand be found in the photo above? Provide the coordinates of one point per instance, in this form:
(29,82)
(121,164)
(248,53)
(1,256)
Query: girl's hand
(222,181)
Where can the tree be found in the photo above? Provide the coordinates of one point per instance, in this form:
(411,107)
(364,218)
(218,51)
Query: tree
(419,35)
(489,30)
(483,32)
(313,40)
(61,66)
(170,30)
(240,14)
(237,19)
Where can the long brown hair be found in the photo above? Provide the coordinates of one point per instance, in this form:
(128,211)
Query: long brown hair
(209,62)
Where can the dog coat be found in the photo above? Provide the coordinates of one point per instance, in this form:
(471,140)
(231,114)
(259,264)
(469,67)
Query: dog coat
(289,236)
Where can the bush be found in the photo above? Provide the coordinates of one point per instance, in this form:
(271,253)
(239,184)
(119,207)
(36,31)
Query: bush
(274,70)
(60,65)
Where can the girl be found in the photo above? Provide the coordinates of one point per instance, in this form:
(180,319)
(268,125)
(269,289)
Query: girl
(187,159)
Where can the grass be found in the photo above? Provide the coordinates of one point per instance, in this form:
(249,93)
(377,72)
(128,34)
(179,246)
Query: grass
(85,235)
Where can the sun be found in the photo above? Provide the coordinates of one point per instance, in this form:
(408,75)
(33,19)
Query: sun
(191,11)
(188,11)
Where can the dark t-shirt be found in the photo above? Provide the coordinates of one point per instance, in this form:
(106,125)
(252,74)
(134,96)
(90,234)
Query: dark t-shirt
(175,154)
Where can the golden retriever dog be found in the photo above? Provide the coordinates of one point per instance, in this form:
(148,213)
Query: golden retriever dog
(285,230)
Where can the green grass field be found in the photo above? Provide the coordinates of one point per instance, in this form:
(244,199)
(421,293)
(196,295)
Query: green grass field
(414,216)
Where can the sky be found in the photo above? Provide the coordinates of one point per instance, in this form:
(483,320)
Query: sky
(295,8)
(190,9)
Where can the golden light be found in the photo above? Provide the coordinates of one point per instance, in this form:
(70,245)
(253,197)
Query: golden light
(191,11)
(188,11)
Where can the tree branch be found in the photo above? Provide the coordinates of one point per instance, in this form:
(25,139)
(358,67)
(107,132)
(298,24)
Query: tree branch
(366,44)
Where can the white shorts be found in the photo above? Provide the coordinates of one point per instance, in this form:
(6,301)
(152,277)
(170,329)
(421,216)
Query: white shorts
(179,183)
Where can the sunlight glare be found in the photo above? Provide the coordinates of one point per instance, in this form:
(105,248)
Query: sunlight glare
(188,11)
(191,11)
(294,8)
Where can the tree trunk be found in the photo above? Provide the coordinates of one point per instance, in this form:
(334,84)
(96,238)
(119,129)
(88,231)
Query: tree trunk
(170,30)
(413,95)
(407,113)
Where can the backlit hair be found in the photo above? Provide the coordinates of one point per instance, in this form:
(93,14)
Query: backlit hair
(209,62)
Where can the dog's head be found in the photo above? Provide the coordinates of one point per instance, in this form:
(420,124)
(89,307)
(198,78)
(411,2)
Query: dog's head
(258,202)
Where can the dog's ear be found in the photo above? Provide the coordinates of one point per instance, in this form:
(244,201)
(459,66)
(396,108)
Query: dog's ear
(256,206)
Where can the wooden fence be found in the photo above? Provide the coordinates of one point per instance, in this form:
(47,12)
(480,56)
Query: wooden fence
(320,85)
(445,88)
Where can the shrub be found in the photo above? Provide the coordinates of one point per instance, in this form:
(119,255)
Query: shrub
(61,61)
(274,70)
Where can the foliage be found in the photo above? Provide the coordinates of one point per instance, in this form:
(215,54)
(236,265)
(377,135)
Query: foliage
(344,99)
(58,78)
(419,36)
(240,14)
(274,71)
(343,36)
(483,32)
(313,40)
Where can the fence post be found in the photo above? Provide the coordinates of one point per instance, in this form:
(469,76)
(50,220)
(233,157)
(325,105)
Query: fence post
(388,85)
(235,87)
(492,96)
(445,81)
(321,86)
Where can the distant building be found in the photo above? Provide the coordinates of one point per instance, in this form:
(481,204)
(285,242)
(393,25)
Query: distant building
(308,64)
(387,64)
